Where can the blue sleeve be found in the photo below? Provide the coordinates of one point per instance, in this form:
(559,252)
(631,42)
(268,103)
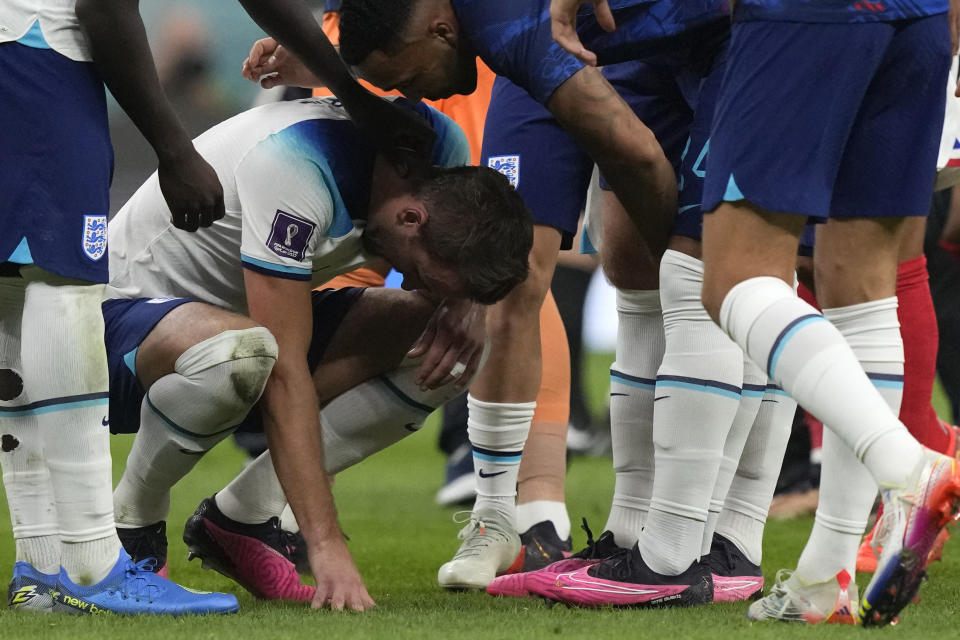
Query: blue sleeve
(513,38)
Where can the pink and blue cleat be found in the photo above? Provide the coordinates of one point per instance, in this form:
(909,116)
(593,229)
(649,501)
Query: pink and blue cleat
(911,523)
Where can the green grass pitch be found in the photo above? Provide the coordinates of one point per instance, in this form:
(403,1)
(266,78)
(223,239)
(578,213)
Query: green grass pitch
(399,538)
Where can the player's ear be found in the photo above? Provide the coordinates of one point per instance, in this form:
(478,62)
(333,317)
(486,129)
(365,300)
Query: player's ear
(442,29)
(412,217)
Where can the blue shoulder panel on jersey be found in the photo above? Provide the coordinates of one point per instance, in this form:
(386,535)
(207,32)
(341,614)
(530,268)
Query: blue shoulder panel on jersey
(345,160)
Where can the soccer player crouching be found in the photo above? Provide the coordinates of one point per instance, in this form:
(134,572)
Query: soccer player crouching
(203,324)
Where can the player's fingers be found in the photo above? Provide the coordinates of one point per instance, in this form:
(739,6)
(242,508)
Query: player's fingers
(271,81)
(430,371)
(362,602)
(337,600)
(473,365)
(260,50)
(423,342)
(320,596)
(604,16)
(449,366)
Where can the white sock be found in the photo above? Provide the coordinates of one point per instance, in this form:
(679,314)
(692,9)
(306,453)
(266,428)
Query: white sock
(537,511)
(215,383)
(847,489)
(354,425)
(66,369)
(751,397)
(640,345)
(33,511)
(806,355)
(744,513)
(497,432)
(697,397)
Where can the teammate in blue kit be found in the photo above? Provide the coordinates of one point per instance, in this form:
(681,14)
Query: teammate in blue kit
(856,147)
(552,173)
(57,163)
(307,198)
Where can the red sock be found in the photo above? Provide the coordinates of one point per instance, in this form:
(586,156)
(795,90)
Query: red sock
(918,326)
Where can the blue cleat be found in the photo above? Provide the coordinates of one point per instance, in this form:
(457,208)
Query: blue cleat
(132,588)
(31,590)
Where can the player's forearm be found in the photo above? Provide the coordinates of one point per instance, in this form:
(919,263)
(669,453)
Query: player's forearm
(625,150)
(292,25)
(118,43)
(291,421)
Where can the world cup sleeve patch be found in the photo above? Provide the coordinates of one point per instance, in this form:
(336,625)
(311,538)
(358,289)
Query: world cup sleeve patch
(508,166)
(94,236)
(290,235)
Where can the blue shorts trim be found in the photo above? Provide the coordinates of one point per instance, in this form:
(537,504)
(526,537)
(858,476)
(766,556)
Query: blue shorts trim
(859,141)
(127,323)
(57,163)
(522,140)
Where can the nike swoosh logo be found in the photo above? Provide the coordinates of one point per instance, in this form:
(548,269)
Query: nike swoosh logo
(688,207)
(661,398)
(105,422)
(619,394)
(411,426)
(490,475)
(769,400)
(192,453)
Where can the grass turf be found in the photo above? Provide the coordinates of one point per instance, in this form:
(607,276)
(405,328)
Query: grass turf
(399,539)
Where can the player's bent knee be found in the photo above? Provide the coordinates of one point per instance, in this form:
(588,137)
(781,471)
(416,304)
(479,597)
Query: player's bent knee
(232,367)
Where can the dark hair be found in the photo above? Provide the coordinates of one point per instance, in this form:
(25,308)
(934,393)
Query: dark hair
(371,25)
(478,224)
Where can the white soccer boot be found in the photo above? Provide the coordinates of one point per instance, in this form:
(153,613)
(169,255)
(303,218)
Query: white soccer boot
(791,600)
(490,545)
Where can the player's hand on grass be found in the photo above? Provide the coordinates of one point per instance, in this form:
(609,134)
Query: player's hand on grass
(563,25)
(451,345)
(191,188)
(339,585)
(272,66)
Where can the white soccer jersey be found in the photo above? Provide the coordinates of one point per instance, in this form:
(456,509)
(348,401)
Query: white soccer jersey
(57,21)
(295,176)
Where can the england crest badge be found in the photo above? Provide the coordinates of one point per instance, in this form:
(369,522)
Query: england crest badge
(508,166)
(94,236)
